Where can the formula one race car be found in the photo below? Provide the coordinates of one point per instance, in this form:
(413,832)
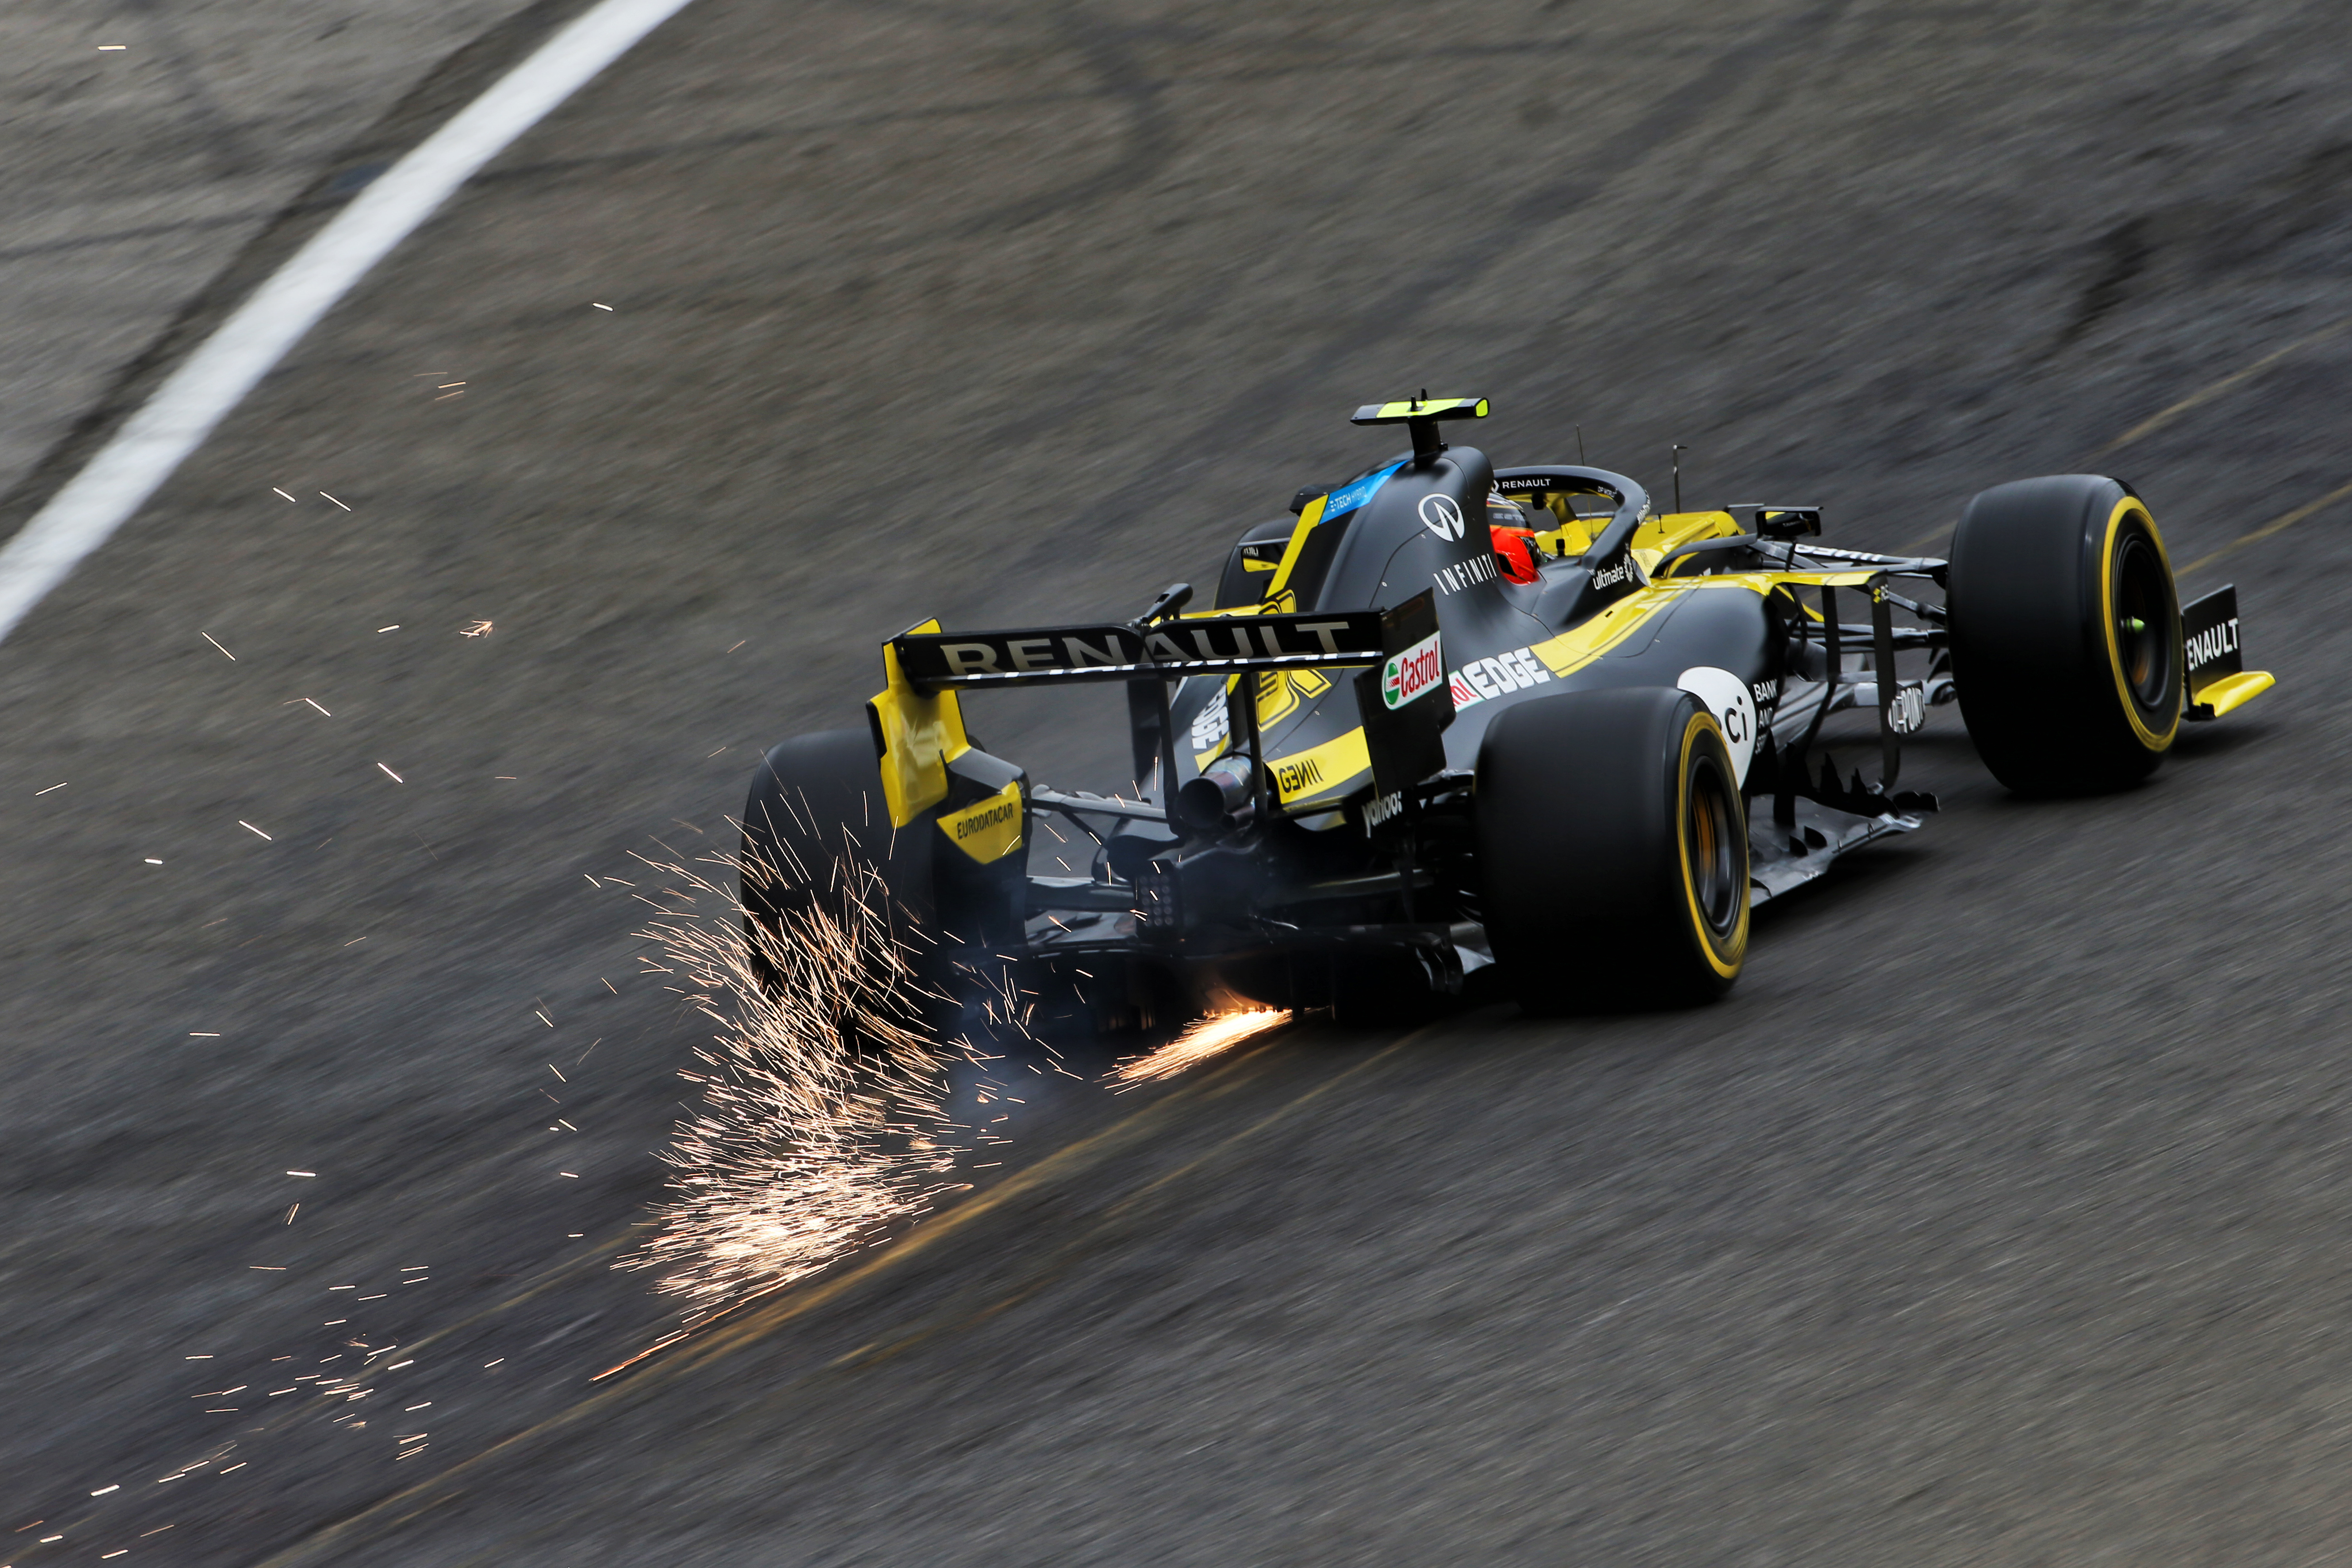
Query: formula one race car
(1452,716)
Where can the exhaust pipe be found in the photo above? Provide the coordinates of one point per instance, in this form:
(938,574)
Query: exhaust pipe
(1212,802)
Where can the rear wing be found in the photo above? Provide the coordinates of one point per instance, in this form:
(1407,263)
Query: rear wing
(1162,650)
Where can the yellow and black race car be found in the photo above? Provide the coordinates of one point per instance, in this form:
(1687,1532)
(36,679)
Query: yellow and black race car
(1452,716)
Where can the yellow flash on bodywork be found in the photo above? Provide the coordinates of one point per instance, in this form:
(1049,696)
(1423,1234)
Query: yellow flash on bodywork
(1588,640)
(1324,770)
(1309,518)
(1673,529)
(990,830)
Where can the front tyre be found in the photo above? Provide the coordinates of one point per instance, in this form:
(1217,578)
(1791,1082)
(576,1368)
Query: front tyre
(1612,851)
(2065,634)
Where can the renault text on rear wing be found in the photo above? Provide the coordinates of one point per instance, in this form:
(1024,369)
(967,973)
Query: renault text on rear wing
(1168,649)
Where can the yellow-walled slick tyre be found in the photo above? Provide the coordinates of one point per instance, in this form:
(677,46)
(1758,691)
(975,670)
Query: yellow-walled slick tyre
(2065,634)
(1612,851)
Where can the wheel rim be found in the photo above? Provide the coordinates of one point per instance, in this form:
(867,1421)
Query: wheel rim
(1711,831)
(2143,643)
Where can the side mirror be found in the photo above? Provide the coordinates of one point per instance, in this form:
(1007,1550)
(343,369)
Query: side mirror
(1783,522)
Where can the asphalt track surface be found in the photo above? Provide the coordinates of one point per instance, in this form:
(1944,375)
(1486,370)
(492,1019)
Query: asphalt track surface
(1999,1215)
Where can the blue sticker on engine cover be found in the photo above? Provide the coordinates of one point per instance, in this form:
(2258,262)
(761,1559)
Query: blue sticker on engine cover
(1348,498)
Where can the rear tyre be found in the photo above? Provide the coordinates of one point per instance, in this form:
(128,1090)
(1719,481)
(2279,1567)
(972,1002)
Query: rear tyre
(814,827)
(1612,851)
(2065,634)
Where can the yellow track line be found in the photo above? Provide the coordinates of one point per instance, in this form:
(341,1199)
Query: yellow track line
(2162,418)
(2158,420)
(2279,524)
(877,1351)
(411,1502)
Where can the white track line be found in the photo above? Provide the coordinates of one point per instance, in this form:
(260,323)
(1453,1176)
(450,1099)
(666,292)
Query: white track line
(216,378)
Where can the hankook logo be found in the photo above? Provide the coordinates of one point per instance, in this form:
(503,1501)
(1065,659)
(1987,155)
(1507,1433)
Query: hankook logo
(1441,516)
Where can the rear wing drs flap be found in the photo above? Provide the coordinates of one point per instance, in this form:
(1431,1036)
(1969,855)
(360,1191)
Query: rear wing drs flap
(1165,650)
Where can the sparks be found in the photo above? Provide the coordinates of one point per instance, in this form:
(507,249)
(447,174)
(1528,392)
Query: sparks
(479,629)
(592,304)
(276,491)
(1210,1036)
(393,627)
(337,502)
(58,785)
(210,638)
(801,1153)
(251,828)
(392,776)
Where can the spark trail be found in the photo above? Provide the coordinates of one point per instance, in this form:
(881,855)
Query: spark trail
(823,1109)
(1205,1037)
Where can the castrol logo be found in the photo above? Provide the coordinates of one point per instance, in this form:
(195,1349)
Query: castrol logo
(1407,675)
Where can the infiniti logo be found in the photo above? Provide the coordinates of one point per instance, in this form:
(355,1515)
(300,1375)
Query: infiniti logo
(1441,516)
